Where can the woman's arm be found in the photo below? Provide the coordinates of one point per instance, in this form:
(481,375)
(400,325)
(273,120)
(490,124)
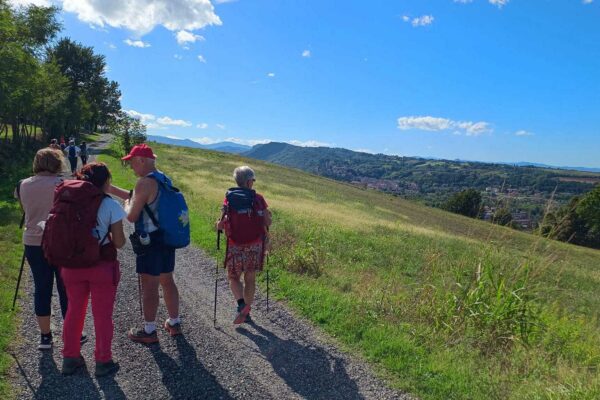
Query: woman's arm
(118,236)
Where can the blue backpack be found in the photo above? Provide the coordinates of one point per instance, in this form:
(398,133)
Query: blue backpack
(173,215)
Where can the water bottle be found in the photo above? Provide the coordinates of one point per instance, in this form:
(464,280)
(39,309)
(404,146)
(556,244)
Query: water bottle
(144,239)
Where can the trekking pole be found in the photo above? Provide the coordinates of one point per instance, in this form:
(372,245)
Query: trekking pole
(267,283)
(216,277)
(19,280)
(140,295)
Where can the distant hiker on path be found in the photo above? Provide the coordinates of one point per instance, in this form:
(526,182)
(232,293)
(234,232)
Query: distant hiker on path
(245,219)
(152,206)
(72,152)
(36,195)
(83,153)
(97,273)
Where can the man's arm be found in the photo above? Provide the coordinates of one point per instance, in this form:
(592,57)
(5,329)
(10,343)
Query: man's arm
(144,189)
(119,192)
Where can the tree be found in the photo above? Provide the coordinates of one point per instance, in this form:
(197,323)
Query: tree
(129,131)
(502,216)
(466,202)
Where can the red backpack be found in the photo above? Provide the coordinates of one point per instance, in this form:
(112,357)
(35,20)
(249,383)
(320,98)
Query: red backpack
(245,216)
(68,240)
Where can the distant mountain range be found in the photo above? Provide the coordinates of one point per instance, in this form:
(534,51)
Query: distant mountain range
(226,147)
(261,152)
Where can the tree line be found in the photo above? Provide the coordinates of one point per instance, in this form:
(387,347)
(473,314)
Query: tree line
(576,222)
(52,87)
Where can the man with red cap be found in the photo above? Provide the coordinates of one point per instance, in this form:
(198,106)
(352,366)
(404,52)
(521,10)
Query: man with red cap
(155,266)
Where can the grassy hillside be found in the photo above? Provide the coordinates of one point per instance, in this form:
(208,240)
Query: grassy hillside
(444,306)
(520,188)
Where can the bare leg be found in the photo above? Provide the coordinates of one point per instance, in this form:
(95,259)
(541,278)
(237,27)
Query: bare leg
(236,288)
(171,294)
(150,296)
(249,287)
(44,324)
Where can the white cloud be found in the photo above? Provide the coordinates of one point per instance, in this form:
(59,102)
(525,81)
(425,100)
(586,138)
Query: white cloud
(152,122)
(184,37)
(24,3)
(499,3)
(422,21)
(142,16)
(202,125)
(306,54)
(220,126)
(144,118)
(463,1)
(201,58)
(168,121)
(369,151)
(173,137)
(136,43)
(178,56)
(427,123)
(524,133)
(405,18)
(271,74)
(112,46)
(588,1)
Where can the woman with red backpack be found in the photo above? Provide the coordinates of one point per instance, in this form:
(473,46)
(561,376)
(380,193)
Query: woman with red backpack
(99,279)
(246,219)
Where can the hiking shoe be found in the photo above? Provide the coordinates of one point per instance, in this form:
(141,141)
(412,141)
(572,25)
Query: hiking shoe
(106,368)
(141,336)
(70,364)
(45,342)
(173,330)
(242,314)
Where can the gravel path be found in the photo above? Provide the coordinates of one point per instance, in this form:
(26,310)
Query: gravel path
(279,356)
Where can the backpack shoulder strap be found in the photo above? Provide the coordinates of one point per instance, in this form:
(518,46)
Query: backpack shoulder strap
(151,215)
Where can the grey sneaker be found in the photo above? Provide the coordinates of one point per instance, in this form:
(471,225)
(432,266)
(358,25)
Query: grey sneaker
(141,336)
(70,364)
(106,368)
(45,342)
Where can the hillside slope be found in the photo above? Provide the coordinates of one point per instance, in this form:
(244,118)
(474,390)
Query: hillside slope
(446,306)
(520,188)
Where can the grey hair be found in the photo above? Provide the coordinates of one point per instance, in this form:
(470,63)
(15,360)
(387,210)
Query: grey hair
(242,175)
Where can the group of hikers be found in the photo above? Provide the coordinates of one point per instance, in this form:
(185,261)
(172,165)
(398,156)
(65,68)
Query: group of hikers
(73,228)
(72,151)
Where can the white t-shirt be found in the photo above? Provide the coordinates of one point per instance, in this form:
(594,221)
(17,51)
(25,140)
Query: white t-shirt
(109,212)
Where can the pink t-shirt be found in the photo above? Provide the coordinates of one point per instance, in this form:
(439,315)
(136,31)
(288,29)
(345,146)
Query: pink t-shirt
(37,196)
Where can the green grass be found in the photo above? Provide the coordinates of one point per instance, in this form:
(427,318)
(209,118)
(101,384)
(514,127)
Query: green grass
(444,306)
(16,165)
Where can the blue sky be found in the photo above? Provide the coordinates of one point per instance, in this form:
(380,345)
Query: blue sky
(489,80)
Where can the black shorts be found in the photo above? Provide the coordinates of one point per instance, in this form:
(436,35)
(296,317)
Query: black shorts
(158,259)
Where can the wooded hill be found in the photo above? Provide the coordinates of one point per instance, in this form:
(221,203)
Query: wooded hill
(433,181)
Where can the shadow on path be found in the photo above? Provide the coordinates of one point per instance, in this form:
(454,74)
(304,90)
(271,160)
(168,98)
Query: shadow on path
(54,385)
(187,379)
(308,370)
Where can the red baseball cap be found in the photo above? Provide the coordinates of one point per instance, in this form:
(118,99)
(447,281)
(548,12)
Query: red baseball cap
(140,150)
